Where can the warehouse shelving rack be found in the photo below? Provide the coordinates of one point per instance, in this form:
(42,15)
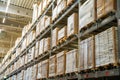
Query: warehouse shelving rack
(78,37)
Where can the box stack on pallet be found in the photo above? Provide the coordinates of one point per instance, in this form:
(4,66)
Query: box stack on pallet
(56,47)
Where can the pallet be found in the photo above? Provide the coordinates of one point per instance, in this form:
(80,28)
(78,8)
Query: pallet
(105,15)
(62,40)
(71,36)
(87,26)
(87,70)
(107,67)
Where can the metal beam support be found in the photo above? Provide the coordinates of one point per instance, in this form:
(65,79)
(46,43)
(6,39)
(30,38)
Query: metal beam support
(118,18)
(15,10)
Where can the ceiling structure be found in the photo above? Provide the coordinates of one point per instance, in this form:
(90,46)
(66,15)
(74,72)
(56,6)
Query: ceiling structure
(18,15)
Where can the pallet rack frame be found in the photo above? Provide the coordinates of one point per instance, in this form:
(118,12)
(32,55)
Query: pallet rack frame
(96,74)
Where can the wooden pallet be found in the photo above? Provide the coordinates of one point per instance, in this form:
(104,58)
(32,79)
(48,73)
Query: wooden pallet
(87,70)
(71,36)
(105,15)
(87,26)
(62,40)
(107,67)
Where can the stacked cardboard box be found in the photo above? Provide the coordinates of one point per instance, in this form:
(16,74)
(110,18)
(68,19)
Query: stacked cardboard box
(44,69)
(71,61)
(54,37)
(46,44)
(105,47)
(52,66)
(87,13)
(69,2)
(61,63)
(87,60)
(37,49)
(48,21)
(72,24)
(39,74)
(35,12)
(29,55)
(34,72)
(62,33)
(41,46)
(104,7)
(61,5)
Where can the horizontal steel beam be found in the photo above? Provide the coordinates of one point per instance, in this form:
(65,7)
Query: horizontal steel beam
(15,10)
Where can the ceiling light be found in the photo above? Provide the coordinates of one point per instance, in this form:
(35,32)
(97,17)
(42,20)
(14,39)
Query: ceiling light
(3,20)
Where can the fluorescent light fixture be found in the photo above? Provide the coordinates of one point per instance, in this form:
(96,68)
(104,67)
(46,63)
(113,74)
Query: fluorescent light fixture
(3,20)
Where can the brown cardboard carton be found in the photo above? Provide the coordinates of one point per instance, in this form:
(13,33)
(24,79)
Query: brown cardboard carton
(46,44)
(41,46)
(106,51)
(62,33)
(87,58)
(72,24)
(100,8)
(39,73)
(52,66)
(71,61)
(69,1)
(87,13)
(48,22)
(61,63)
(44,69)
(54,37)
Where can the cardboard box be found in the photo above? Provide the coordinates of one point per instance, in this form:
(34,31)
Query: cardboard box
(41,46)
(62,5)
(106,51)
(54,13)
(61,63)
(38,29)
(39,73)
(71,61)
(87,54)
(52,66)
(47,44)
(34,72)
(35,12)
(72,24)
(44,69)
(100,8)
(37,49)
(54,37)
(48,21)
(44,4)
(62,33)
(87,13)
(40,8)
(69,1)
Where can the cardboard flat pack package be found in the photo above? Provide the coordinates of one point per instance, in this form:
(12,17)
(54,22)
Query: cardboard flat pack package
(87,55)
(47,44)
(44,69)
(105,47)
(41,46)
(52,66)
(54,37)
(87,13)
(72,24)
(61,63)
(62,33)
(71,61)
(39,74)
